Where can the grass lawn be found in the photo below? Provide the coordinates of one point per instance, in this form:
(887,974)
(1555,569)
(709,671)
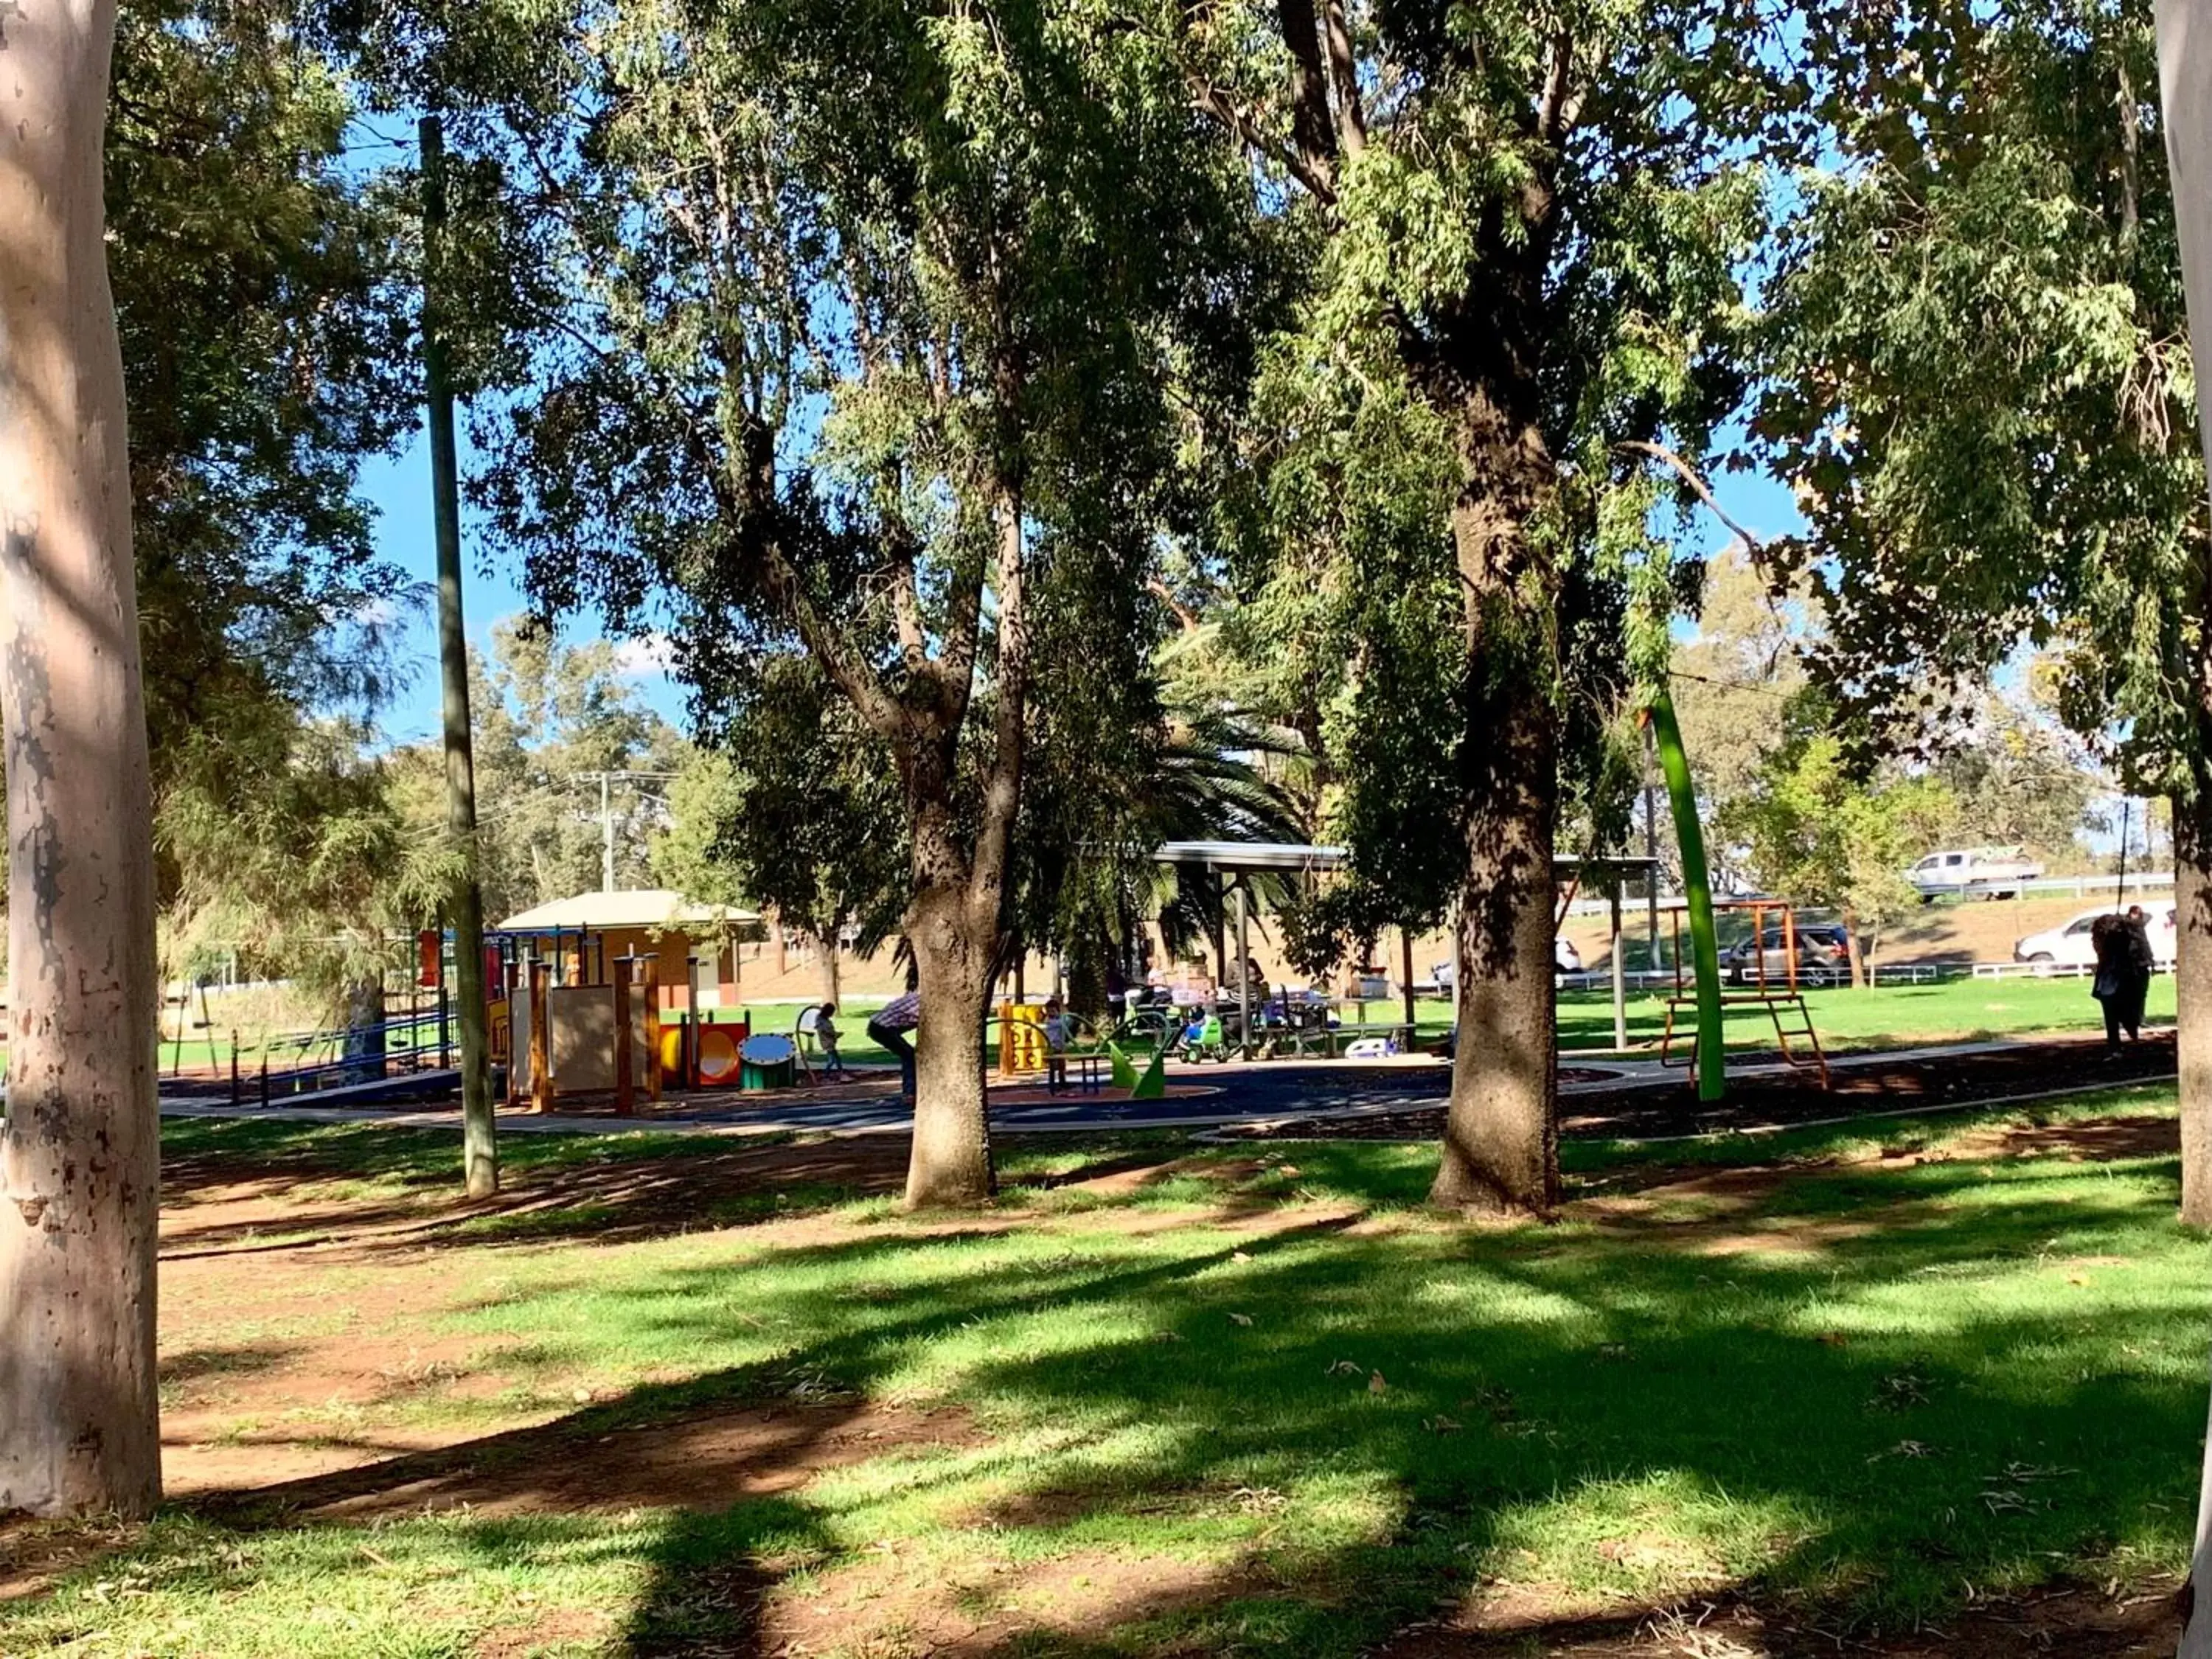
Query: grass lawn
(1162,1399)
(1891,1016)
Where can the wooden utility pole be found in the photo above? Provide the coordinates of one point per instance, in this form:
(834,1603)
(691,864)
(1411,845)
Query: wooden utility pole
(80,1152)
(479,1152)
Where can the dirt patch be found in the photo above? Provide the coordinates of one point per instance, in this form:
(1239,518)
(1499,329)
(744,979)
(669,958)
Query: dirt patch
(590,1461)
(208,1207)
(917,1603)
(2096,1139)
(34,1553)
(2080,1622)
(564,1629)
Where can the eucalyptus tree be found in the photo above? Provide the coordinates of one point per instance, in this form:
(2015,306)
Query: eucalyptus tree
(845,329)
(259,272)
(80,1147)
(1521,225)
(1979,384)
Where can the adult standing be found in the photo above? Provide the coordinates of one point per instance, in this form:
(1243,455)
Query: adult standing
(2142,963)
(891,1028)
(2110,938)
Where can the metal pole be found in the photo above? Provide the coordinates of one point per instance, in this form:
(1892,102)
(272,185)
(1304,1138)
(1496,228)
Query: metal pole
(2120,895)
(1406,984)
(1696,894)
(479,1152)
(1650,852)
(1619,972)
(1244,974)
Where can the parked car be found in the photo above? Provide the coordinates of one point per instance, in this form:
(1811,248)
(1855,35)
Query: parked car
(2067,945)
(1565,959)
(1978,872)
(1824,956)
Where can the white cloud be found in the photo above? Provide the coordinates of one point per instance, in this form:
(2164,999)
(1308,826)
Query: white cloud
(643,658)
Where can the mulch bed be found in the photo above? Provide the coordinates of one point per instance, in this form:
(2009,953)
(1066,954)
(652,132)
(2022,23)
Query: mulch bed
(1871,1086)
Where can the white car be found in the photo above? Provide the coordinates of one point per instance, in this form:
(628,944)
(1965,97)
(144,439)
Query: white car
(1565,959)
(1981,872)
(2067,945)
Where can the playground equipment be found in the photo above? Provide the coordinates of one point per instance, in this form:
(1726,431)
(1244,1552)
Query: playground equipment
(1783,1003)
(766,1060)
(1708,1058)
(1135,1059)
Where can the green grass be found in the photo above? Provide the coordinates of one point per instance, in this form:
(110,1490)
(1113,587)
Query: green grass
(1960,1373)
(1889,1017)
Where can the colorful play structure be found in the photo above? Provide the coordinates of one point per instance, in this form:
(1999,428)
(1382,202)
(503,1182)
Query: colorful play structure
(616,992)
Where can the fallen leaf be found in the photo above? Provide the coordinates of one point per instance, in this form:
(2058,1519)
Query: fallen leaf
(1292,1171)
(1341,1367)
(1240,1319)
(1376,1384)
(1441,1424)
(1240,1255)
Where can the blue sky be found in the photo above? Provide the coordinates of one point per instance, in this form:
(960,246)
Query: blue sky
(399,486)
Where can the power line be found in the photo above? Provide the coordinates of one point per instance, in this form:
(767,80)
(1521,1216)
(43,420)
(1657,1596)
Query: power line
(606,780)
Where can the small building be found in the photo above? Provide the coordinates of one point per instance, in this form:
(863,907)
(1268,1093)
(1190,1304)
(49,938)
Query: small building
(581,937)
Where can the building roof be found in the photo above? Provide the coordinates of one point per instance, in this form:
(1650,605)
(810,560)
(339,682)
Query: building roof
(643,906)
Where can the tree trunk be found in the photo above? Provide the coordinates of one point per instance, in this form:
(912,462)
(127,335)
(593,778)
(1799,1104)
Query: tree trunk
(1501,1131)
(953,951)
(2184,63)
(80,1156)
(1860,960)
(2192,985)
(1501,1148)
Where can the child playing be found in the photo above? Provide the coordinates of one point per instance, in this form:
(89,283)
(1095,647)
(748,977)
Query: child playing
(825,1033)
(1056,1035)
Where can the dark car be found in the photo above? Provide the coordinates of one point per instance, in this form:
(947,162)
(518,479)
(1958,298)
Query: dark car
(1824,956)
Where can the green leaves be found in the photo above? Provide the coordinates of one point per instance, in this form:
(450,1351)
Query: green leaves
(1976,377)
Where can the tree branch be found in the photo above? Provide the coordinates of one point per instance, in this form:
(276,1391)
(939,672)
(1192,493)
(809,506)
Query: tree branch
(1756,546)
(1344,73)
(1313,127)
(1560,104)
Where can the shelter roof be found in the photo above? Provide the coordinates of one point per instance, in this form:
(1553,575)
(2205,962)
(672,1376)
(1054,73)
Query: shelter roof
(639,908)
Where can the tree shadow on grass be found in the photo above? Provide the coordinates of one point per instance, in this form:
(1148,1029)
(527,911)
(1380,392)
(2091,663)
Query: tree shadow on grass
(1827,1426)
(1861,1423)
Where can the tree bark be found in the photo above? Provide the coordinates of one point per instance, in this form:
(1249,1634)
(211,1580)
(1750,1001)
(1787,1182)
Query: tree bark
(2192,983)
(79,1154)
(1862,963)
(1501,1128)
(2184,63)
(1501,1151)
(954,947)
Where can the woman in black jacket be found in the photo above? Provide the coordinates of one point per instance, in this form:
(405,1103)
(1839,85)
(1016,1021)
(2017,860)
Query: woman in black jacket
(2115,986)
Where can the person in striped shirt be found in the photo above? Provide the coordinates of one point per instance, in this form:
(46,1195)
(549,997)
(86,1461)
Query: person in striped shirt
(891,1027)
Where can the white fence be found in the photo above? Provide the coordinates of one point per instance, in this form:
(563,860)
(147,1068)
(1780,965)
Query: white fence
(1634,905)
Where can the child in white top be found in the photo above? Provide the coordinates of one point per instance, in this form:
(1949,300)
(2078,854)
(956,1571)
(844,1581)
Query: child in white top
(1056,1035)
